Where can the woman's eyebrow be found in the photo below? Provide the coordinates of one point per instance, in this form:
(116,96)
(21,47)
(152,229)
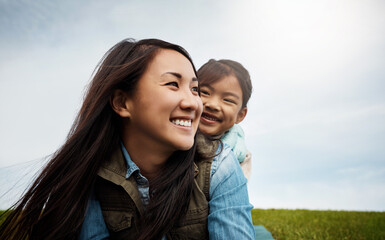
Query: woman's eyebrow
(178,75)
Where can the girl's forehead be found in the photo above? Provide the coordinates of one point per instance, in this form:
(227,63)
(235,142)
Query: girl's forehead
(225,82)
(228,85)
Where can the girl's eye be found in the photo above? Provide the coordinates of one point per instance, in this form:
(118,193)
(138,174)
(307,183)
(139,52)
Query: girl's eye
(229,100)
(175,84)
(204,92)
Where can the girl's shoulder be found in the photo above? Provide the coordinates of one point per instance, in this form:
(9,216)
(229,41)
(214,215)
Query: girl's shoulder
(235,132)
(224,159)
(235,138)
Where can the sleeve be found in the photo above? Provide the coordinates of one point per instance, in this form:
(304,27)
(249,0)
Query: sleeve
(230,210)
(94,226)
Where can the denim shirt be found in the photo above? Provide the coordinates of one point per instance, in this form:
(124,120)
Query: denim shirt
(235,138)
(230,210)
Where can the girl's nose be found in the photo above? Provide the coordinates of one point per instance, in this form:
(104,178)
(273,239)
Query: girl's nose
(212,104)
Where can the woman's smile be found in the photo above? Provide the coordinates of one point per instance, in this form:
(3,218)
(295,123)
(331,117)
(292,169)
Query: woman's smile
(166,106)
(182,122)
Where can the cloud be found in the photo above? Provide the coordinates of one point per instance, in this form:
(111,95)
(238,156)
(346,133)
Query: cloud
(320,196)
(317,109)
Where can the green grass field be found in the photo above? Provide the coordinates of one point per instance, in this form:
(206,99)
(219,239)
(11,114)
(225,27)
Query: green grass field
(308,224)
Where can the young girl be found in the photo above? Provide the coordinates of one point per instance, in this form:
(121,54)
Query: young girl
(225,90)
(130,168)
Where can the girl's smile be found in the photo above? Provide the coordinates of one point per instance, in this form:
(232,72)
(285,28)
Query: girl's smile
(222,106)
(209,118)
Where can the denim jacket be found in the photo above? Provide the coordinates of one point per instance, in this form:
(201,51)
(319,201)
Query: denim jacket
(235,138)
(229,215)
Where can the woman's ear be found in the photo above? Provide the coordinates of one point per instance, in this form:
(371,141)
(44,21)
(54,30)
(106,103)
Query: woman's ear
(241,115)
(120,103)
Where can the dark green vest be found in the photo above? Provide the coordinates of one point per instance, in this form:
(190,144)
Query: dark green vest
(122,207)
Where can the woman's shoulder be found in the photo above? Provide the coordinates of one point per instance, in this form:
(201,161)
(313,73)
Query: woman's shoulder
(206,147)
(224,162)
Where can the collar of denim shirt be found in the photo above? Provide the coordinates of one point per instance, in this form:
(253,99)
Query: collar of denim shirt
(131,166)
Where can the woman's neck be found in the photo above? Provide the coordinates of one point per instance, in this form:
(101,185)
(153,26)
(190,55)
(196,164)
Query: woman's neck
(149,159)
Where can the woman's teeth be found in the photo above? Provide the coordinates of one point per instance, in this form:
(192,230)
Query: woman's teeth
(185,123)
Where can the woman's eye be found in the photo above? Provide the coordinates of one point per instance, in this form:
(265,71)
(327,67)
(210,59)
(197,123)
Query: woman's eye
(195,89)
(175,84)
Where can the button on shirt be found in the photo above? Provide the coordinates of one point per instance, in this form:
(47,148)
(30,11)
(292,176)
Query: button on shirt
(230,210)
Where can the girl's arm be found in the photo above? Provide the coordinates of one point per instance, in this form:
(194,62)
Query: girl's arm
(230,210)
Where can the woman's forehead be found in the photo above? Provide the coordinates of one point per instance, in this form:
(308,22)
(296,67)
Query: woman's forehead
(167,60)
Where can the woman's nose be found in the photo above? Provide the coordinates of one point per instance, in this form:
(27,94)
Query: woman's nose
(190,101)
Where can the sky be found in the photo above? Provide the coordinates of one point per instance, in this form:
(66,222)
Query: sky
(316,119)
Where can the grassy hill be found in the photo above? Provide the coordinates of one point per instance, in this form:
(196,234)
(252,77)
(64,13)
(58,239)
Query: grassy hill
(308,224)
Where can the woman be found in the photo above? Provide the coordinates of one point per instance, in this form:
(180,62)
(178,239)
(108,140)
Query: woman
(129,168)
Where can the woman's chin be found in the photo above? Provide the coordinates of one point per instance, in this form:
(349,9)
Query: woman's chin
(186,146)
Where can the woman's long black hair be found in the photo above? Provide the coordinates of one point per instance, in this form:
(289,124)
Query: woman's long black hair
(55,205)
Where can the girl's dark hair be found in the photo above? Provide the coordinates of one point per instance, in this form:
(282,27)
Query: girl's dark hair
(215,70)
(55,205)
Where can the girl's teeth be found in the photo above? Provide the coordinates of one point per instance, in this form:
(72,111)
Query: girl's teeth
(210,118)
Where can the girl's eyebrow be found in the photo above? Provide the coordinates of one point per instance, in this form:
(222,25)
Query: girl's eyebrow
(225,93)
(231,94)
(208,86)
(178,75)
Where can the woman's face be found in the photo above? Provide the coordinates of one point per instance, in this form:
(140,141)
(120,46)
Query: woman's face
(165,107)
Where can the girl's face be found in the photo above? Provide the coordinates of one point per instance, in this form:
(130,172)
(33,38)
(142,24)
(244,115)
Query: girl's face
(222,106)
(165,107)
